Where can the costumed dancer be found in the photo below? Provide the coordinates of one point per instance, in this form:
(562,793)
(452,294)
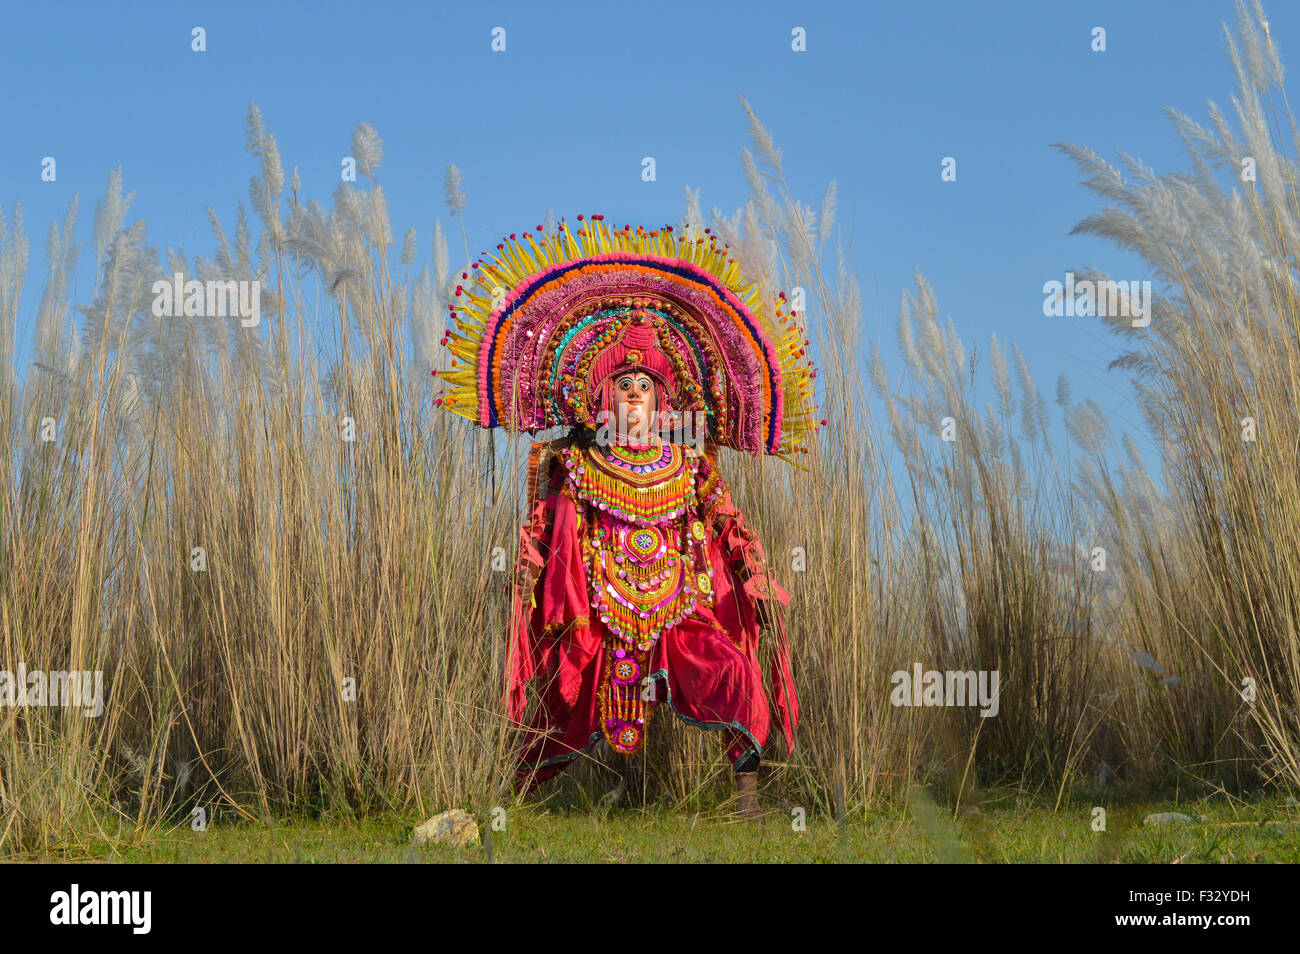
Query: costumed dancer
(638,581)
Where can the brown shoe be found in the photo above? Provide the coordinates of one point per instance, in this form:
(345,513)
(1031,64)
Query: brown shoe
(747,795)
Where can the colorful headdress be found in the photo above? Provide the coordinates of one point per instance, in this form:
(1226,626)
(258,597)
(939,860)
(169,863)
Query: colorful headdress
(540,329)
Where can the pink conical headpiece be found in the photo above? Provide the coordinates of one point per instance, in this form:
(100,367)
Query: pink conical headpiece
(637,349)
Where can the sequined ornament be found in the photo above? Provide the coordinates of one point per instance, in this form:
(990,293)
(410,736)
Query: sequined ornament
(645,557)
(641,488)
(626,703)
(646,562)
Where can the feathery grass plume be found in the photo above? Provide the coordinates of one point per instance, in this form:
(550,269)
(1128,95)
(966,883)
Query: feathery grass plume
(847,312)
(367,149)
(110,213)
(451,185)
(954,347)
(14,254)
(758,187)
(1033,408)
(426,330)
(381,226)
(262,144)
(800,219)
(879,375)
(691,224)
(264,193)
(408,248)
(55,336)
(907,338)
(1001,378)
(1063,391)
(826,222)
(1086,423)
(441,262)
(763,141)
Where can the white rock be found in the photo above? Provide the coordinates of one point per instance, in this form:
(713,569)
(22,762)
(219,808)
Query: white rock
(452,827)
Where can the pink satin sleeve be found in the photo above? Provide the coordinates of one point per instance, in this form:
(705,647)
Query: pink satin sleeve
(551,634)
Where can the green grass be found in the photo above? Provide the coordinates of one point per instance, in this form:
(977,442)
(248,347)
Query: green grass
(1232,832)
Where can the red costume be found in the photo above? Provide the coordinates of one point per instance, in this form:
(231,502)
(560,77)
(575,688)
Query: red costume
(703,634)
(638,581)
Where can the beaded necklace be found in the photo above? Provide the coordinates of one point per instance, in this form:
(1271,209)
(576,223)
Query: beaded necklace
(639,489)
(645,552)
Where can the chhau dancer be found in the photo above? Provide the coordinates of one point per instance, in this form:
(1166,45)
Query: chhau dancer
(638,580)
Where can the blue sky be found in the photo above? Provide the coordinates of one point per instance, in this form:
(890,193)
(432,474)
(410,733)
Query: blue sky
(586,89)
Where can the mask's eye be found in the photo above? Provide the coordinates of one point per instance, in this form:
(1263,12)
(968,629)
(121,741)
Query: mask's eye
(625,384)
(644,384)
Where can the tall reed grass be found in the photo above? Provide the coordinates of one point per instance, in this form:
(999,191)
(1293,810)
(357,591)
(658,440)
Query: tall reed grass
(294,622)
(1211,571)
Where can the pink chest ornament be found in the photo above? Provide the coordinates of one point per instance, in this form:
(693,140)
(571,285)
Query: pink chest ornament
(647,567)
